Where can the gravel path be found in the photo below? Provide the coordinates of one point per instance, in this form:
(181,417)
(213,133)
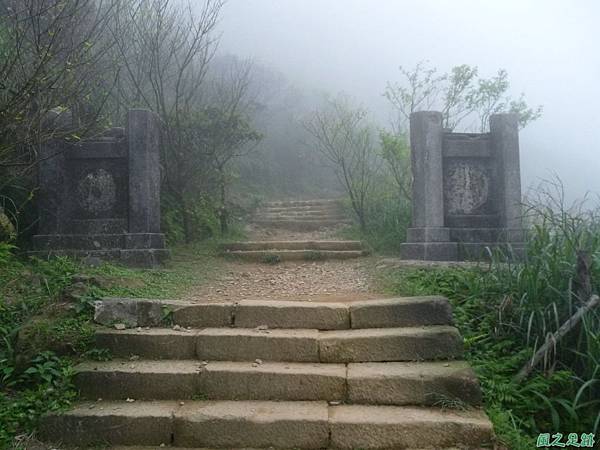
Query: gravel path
(309,281)
(332,280)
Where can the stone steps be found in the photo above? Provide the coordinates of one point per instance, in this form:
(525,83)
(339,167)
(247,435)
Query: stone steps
(302,203)
(292,245)
(263,424)
(303,215)
(263,251)
(294,255)
(300,211)
(382,313)
(293,345)
(389,383)
(300,224)
(273,374)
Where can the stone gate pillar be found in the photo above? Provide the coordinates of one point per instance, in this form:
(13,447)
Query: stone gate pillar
(504,130)
(426,132)
(428,233)
(466,190)
(100,198)
(144,171)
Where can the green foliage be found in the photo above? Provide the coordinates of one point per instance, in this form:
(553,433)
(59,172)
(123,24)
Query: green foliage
(44,386)
(202,216)
(342,133)
(387,205)
(270,258)
(167,316)
(36,324)
(505,311)
(395,151)
(459,95)
(314,255)
(98,354)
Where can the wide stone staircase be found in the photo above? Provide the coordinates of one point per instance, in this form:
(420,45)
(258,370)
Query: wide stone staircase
(373,374)
(303,217)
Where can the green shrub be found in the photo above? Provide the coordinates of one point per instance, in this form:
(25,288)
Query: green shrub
(388,217)
(46,385)
(314,255)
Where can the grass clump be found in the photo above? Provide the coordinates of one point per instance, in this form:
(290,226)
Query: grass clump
(314,255)
(270,258)
(46,326)
(34,379)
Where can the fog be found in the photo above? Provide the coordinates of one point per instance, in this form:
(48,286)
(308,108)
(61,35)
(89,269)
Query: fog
(549,49)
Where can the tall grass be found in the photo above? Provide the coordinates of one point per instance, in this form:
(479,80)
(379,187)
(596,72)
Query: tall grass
(507,310)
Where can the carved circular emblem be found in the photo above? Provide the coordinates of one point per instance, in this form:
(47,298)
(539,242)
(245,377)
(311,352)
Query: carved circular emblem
(468,188)
(96,192)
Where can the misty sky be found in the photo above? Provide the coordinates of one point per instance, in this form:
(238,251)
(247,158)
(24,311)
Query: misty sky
(550,49)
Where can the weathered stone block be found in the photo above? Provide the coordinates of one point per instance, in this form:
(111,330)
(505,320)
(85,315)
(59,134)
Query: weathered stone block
(409,383)
(139,380)
(290,314)
(132,312)
(390,344)
(378,427)
(273,381)
(242,344)
(157,343)
(401,312)
(117,423)
(252,424)
(201,315)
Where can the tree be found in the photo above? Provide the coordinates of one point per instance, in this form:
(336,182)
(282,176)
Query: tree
(166,52)
(342,134)
(53,59)
(230,133)
(50,52)
(459,95)
(395,151)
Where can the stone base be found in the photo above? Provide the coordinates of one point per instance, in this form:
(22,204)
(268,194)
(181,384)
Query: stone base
(428,234)
(99,241)
(132,249)
(430,251)
(145,258)
(462,244)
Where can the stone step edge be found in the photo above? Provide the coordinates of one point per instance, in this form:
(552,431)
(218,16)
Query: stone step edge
(293,245)
(316,201)
(137,447)
(295,255)
(377,313)
(300,212)
(175,423)
(384,383)
(301,221)
(430,343)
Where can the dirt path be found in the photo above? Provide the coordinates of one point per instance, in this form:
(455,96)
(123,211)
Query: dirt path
(331,280)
